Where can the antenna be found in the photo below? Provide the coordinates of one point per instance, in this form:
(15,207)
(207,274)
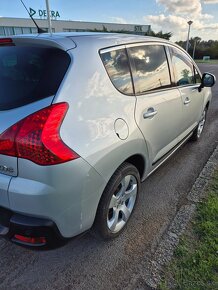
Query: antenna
(40,30)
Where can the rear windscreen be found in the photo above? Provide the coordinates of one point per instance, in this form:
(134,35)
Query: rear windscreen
(28,74)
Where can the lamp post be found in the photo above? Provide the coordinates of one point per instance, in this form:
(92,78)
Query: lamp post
(48,17)
(189,27)
(193,55)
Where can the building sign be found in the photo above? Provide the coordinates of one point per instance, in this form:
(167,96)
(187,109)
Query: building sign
(43,13)
(138,28)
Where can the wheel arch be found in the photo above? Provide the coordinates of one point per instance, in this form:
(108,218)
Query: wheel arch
(139,162)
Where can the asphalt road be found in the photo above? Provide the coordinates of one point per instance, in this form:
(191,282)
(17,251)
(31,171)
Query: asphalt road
(87,263)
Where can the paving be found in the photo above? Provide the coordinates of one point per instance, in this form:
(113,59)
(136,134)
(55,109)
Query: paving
(87,263)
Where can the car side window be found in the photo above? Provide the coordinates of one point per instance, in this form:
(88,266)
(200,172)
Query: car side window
(150,68)
(117,66)
(183,69)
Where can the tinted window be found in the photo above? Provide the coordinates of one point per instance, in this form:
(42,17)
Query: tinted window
(183,69)
(117,66)
(28,74)
(150,68)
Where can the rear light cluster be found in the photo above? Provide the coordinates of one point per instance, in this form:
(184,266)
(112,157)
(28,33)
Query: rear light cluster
(6,41)
(37,241)
(37,137)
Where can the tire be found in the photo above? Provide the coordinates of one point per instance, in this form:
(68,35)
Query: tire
(118,202)
(201,124)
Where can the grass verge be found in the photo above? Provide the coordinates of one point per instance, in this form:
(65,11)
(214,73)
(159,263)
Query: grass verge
(195,262)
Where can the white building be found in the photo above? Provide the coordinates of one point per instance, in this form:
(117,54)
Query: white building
(10,26)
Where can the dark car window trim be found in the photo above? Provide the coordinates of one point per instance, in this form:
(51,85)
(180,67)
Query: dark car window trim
(198,71)
(167,46)
(145,42)
(156,91)
(132,44)
(172,73)
(131,72)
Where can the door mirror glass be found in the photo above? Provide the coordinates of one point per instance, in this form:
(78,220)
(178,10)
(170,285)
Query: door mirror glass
(208,80)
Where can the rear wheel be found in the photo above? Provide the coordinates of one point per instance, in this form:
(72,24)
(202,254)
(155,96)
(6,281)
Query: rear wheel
(198,131)
(118,202)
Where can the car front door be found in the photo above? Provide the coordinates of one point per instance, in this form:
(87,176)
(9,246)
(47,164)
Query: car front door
(187,80)
(158,111)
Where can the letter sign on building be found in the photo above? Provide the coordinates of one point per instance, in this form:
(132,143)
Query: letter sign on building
(138,28)
(43,13)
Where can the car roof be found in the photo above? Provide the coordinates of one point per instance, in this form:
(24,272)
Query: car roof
(112,39)
(96,35)
(100,39)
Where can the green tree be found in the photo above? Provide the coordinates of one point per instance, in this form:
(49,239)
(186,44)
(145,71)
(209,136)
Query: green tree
(160,34)
(202,47)
(104,29)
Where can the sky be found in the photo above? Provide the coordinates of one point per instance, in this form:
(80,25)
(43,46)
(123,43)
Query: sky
(165,15)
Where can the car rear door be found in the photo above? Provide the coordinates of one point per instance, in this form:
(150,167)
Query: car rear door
(187,80)
(159,108)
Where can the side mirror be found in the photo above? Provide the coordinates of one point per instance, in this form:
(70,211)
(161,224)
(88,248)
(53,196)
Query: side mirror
(208,80)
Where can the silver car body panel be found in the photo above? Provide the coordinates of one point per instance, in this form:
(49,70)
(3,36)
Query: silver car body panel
(64,43)
(161,134)
(95,106)
(69,193)
(64,193)
(4,184)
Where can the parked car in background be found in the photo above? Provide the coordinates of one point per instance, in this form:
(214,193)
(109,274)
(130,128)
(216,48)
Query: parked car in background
(84,118)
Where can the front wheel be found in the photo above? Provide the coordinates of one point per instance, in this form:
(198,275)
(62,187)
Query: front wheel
(117,202)
(198,131)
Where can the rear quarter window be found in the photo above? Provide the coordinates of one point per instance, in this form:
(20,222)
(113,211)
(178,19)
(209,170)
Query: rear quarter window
(117,66)
(28,74)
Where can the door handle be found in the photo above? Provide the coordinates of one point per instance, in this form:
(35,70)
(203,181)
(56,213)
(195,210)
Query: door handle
(187,101)
(151,112)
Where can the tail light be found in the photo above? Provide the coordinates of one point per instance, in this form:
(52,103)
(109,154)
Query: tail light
(6,41)
(37,137)
(37,241)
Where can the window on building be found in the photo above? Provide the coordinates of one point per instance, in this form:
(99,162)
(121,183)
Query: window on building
(68,30)
(9,31)
(150,68)
(18,30)
(45,29)
(2,32)
(26,30)
(34,30)
(117,66)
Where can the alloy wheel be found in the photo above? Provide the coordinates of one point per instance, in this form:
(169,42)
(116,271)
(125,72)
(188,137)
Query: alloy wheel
(201,124)
(122,203)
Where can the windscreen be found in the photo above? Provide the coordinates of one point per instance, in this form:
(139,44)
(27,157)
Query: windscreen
(28,74)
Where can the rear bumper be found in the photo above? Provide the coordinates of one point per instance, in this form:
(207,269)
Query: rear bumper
(13,225)
(67,195)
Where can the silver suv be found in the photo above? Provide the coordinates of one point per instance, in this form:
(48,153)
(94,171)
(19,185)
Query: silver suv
(84,119)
